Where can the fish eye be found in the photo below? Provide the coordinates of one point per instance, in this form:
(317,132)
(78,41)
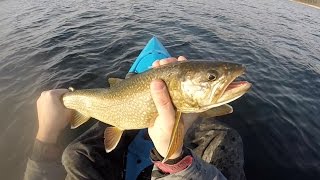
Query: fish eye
(212,75)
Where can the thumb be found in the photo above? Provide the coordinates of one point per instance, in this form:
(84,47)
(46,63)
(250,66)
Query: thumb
(161,98)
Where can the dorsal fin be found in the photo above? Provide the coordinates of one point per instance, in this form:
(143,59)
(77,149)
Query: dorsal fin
(113,81)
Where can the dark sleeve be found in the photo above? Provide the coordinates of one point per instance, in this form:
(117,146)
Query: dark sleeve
(45,162)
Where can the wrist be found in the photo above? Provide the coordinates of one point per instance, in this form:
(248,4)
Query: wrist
(47,152)
(47,136)
(172,165)
(175,155)
(156,156)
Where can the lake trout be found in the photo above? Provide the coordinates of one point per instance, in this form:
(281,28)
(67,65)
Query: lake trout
(203,87)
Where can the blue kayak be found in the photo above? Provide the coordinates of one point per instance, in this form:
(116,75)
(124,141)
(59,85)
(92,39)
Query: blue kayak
(139,148)
(153,51)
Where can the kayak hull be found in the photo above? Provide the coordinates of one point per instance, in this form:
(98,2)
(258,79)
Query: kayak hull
(153,51)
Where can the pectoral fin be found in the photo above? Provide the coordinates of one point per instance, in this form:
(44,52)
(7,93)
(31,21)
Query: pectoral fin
(113,81)
(176,139)
(217,111)
(78,119)
(112,136)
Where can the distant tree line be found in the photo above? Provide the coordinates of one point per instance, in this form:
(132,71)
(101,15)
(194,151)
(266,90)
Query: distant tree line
(311,2)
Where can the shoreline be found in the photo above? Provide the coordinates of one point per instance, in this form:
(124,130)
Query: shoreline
(304,3)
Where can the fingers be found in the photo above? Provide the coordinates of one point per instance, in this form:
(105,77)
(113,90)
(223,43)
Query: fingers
(182,58)
(52,97)
(162,99)
(156,64)
(59,92)
(161,62)
(54,92)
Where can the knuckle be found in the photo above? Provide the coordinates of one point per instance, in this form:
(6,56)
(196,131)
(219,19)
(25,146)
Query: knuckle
(43,93)
(48,94)
(163,102)
(38,100)
(155,63)
(51,93)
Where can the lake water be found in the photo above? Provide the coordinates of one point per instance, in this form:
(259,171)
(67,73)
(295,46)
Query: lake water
(57,44)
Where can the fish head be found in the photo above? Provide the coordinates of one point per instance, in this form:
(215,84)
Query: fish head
(208,84)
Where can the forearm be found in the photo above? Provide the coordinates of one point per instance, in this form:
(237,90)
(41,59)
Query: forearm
(45,162)
(198,169)
(53,117)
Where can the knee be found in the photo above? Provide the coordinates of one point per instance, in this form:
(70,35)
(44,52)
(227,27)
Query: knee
(71,155)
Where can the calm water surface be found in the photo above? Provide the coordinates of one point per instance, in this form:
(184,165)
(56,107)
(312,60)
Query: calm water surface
(57,44)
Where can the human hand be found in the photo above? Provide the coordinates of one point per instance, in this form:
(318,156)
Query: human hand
(160,132)
(52,115)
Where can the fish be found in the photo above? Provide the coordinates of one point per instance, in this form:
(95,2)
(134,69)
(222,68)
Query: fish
(203,87)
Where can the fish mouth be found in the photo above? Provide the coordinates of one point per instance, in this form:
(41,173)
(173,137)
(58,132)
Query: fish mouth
(233,91)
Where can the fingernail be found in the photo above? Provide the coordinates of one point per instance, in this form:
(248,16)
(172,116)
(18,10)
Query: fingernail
(155,63)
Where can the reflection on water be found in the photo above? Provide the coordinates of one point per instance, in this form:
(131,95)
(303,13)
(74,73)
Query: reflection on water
(54,44)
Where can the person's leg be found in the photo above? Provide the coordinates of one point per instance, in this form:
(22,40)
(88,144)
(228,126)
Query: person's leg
(86,158)
(218,144)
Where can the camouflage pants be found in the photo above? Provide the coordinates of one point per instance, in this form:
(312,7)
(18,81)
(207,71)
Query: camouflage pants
(217,144)
(85,157)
